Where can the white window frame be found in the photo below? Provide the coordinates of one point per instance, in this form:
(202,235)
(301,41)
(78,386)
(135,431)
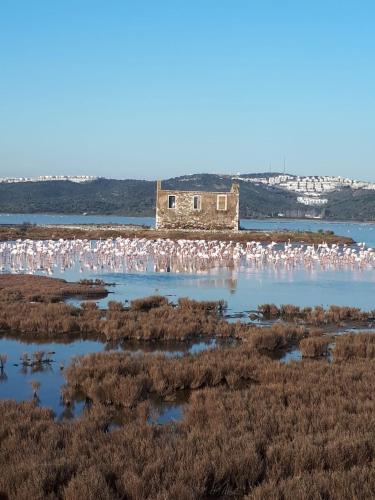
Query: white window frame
(199,202)
(175,202)
(219,196)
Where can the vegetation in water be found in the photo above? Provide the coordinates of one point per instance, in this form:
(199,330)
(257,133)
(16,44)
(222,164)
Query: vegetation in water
(252,427)
(303,430)
(314,347)
(316,316)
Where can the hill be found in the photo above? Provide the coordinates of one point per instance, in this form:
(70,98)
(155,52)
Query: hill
(351,204)
(137,197)
(101,196)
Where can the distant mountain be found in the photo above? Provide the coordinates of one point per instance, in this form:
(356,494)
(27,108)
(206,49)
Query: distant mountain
(137,197)
(101,196)
(351,204)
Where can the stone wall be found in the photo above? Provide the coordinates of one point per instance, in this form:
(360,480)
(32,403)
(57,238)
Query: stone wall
(185,216)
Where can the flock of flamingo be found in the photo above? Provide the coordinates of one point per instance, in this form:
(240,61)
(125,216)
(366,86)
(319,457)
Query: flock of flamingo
(164,255)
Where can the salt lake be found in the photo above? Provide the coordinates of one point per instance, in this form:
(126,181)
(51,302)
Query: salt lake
(242,286)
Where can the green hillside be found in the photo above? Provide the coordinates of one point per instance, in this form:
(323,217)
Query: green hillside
(137,197)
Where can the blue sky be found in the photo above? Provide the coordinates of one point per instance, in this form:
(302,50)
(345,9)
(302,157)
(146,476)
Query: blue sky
(147,89)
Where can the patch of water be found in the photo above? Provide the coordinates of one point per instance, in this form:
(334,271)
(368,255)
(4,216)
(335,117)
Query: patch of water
(296,355)
(245,289)
(292,355)
(47,219)
(168,348)
(166,413)
(48,375)
(15,381)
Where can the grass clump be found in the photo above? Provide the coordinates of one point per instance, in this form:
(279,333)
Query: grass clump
(314,347)
(316,316)
(353,346)
(303,430)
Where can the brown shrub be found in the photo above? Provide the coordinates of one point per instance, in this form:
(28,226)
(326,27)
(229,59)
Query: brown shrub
(26,288)
(91,483)
(315,315)
(124,380)
(314,347)
(269,310)
(152,318)
(216,306)
(148,303)
(274,338)
(359,482)
(360,345)
(297,431)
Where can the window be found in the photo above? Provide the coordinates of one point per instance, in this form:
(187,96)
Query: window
(196,202)
(171,201)
(221,201)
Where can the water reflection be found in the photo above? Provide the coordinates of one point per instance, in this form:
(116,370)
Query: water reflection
(295,355)
(301,287)
(244,279)
(170,349)
(289,356)
(166,413)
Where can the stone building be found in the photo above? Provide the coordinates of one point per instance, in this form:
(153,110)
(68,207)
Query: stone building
(197,209)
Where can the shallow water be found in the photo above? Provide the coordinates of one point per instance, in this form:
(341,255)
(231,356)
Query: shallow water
(296,355)
(291,355)
(167,413)
(16,378)
(244,287)
(17,385)
(42,219)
